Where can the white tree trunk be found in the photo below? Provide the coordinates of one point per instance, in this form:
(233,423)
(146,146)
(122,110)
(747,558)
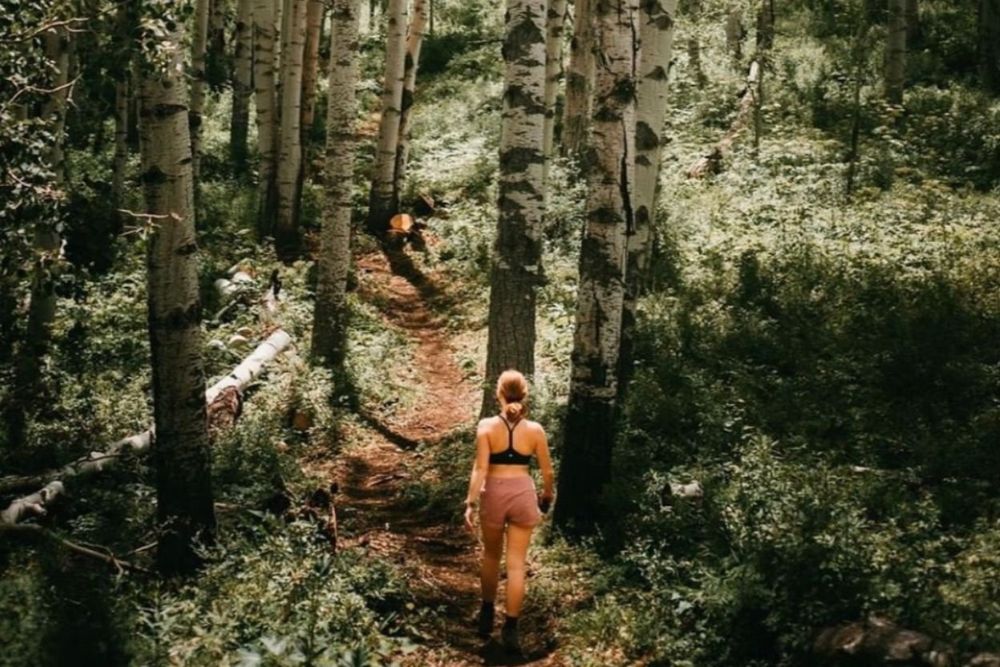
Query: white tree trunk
(310,73)
(895,52)
(554,21)
(182,457)
(600,295)
(199,44)
(242,83)
(265,98)
(414,40)
(330,316)
(579,80)
(657,35)
(381,206)
(290,143)
(516,268)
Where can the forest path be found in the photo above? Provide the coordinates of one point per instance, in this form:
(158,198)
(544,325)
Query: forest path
(381,458)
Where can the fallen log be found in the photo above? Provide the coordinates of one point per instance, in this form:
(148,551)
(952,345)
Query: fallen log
(219,398)
(711,163)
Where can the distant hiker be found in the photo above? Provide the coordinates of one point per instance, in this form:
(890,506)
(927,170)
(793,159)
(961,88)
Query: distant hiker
(507,498)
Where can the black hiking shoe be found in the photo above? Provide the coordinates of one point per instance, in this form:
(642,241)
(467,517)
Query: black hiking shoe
(508,636)
(486,620)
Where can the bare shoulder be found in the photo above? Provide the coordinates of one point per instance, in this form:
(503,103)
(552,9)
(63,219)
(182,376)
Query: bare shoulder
(534,428)
(485,424)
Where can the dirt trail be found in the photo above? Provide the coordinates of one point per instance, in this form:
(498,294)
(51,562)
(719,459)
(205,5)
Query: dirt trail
(440,558)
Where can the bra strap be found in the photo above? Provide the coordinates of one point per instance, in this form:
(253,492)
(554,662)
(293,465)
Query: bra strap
(510,433)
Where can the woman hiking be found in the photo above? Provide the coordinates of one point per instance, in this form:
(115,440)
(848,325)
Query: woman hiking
(508,503)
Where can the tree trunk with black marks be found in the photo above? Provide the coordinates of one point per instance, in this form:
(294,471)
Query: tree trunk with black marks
(330,316)
(47,246)
(989,45)
(216,64)
(895,52)
(310,67)
(589,430)
(242,85)
(381,202)
(656,32)
(266,102)
(199,46)
(554,21)
(579,80)
(289,170)
(516,270)
(414,39)
(693,11)
(181,454)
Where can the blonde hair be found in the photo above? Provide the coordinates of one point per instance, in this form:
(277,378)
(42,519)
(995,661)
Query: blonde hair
(512,386)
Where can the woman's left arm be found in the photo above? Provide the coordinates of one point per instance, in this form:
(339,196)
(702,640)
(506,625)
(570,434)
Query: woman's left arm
(479,467)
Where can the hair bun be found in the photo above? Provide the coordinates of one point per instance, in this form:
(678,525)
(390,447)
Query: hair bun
(514,410)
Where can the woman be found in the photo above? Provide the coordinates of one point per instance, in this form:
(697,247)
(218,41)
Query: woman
(507,501)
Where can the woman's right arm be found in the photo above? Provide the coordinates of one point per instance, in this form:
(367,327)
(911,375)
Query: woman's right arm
(480,466)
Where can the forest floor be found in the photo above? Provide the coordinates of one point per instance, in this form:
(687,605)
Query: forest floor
(381,457)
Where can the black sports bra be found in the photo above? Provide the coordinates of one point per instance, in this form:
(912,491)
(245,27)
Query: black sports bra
(510,456)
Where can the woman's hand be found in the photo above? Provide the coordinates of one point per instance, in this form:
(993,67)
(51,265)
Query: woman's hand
(468,518)
(545,501)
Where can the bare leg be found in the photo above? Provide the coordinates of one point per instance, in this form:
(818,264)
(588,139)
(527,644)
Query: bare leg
(518,538)
(490,574)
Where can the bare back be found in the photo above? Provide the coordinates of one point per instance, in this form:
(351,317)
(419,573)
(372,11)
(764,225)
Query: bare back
(526,435)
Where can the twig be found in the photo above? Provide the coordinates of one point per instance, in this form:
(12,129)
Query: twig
(75,547)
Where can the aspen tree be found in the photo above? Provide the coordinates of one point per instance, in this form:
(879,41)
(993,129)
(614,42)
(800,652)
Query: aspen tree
(266,103)
(589,430)
(554,20)
(310,67)
(414,39)
(289,183)
(330,316)
(895,52)
(199,43)
(657,36)
(181,453)
(381,204)
(242,83)
(516,269)
(579,80)
(989,44)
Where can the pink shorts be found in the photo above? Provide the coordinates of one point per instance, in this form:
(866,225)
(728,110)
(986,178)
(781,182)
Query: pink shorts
(509,499)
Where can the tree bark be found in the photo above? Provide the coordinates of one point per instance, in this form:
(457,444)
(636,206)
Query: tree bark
(330,316)
(199,44)
(182,458)
(265,97)
(216,66)
(47,242)
(53,481)
(516,269)
(657,37)
(310,68)
(554,21)
(381,205)
(121,142)
(242,85)
(579,80)
(694,42)
(895,52)
(913,29)
(289,170)
(411,62)
(989,45)
(589,430)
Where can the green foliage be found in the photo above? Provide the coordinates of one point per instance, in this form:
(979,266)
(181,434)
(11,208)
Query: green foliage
(275,597)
